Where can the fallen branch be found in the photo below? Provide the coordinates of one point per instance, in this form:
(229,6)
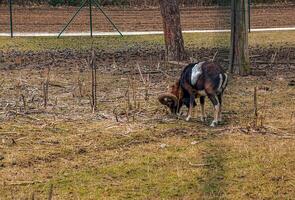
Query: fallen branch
(129,72)
(177,63)
(24,115)
(199,165)
(267,62)
(55,84)
(24,182)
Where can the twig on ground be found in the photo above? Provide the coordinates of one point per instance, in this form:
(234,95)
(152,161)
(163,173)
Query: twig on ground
(24,182)
(255,107)
(24,115)
(199,165)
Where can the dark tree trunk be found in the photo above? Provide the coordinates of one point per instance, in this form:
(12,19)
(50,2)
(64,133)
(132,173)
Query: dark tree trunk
(239,53)
(172,29)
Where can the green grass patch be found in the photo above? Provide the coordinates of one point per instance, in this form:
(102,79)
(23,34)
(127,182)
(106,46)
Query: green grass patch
(214,175)
(111,43)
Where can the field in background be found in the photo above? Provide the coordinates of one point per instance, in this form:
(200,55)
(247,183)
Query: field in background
(275,39)
(132,148)
(52,20)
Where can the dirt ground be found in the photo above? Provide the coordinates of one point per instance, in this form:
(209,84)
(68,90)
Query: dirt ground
(132,148)
(44,19)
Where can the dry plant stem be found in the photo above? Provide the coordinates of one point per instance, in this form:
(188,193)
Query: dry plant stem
(128,94)
(17,88)
(134,96)
(262,117)
(33,196)
(24,102)
(145,83)
(141,76)
(214,57)
(255,107)
(133,93)
(128,104)
(79,84)
(147,86)
(292,116)
(273,58)
(45,86)
(116,114)
(92,65)
(50,192)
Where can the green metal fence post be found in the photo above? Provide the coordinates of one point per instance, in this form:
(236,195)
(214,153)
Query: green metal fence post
(66,26)
(249,15)
(11,25)
(90,16)
(98,6)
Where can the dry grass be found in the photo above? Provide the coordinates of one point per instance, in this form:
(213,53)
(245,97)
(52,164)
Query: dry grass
(154,156)
(129,150)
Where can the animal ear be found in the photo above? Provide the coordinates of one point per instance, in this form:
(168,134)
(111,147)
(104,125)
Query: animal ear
(168,100)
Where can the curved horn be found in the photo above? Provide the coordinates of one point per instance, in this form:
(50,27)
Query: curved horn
(166,99)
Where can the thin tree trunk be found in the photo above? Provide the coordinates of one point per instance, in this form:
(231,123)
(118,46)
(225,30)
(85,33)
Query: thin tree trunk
(239,53)
(172,29)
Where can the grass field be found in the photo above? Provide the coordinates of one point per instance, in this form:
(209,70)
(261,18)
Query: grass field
(262,39)
(137,150)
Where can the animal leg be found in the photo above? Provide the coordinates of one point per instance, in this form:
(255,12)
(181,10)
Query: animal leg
(202,102)
(220,113)
(216,104)
(191,104)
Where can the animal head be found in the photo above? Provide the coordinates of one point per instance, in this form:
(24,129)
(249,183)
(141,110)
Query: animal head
(176,98)
(171,99)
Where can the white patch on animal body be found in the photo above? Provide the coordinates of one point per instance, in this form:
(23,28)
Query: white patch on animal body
(188,118)
(220,83)
(217,106)
(225,81)
(196,72)
(218,103)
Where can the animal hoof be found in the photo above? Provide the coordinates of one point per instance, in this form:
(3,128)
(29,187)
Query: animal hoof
(179,114)
(203,119)
(188,118)
(214,124)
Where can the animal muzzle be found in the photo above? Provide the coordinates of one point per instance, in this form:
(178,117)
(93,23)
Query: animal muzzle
(169,100)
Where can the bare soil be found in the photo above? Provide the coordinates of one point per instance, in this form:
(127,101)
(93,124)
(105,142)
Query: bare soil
(46,19)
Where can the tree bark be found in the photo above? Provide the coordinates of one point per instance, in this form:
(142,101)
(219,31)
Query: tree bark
(172,30)
(239,53)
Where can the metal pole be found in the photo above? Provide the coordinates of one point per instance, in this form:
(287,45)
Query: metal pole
(66,26)
(98,6)
(11,25)
(90,16)
(249,15)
